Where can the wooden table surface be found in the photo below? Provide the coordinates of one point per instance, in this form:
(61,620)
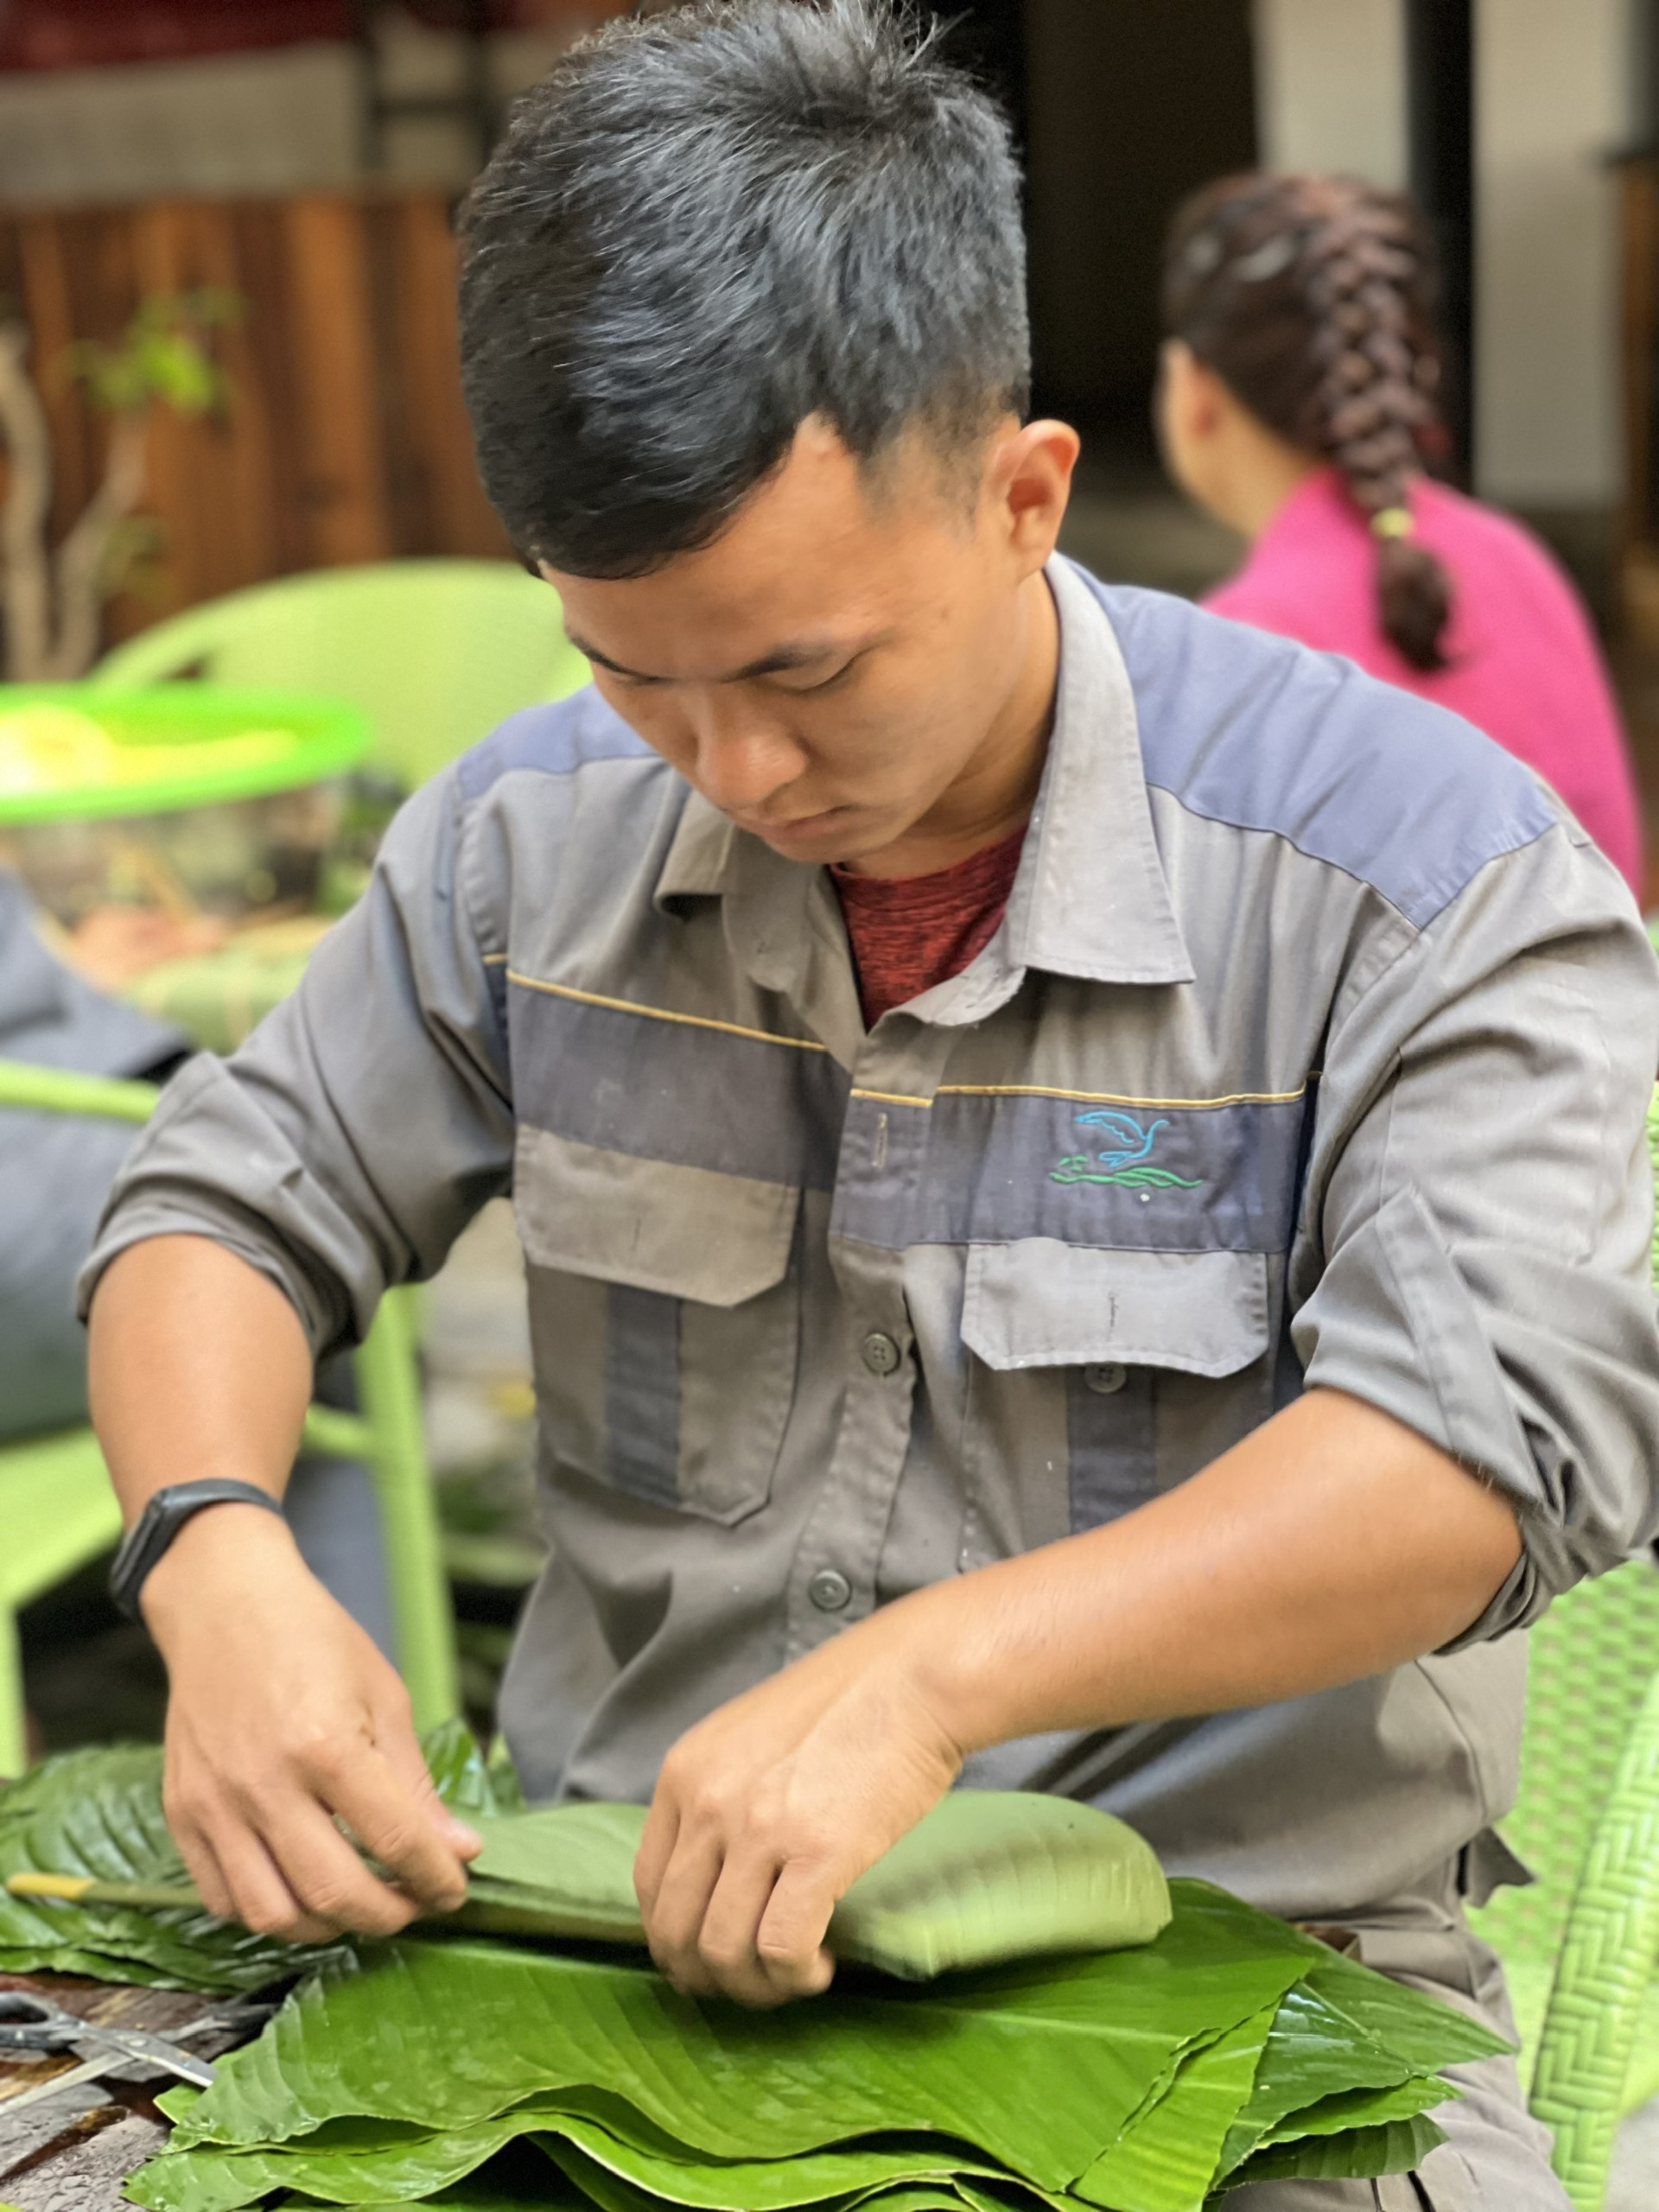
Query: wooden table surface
(71,2153)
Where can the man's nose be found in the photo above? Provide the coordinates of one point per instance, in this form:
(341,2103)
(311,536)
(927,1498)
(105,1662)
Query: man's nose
(744,756)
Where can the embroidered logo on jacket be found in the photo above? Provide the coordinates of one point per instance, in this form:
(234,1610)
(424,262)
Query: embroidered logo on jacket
(1126,1160)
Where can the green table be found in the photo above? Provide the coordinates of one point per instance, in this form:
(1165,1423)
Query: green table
(74,751)
(79,752)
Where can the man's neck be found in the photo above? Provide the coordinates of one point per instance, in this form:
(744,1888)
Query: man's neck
(994,795)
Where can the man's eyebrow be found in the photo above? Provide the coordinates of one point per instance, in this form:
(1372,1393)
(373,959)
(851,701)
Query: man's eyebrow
(803,653)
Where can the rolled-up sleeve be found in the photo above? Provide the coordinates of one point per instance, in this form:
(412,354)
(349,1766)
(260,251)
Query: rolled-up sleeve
(347,1143)
(1477,1226)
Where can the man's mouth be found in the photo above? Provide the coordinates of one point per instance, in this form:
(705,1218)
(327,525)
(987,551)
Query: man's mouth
(799,827)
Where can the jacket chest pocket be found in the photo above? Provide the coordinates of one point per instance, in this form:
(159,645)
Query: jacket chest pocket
(666,1322)
(1163,1357)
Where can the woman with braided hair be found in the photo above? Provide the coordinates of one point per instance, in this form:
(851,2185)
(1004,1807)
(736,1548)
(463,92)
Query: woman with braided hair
(1296,403)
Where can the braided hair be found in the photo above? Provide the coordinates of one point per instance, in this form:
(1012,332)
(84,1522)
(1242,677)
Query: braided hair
(1310,297)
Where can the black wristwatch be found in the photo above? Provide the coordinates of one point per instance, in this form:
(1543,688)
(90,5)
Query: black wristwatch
(162,1520)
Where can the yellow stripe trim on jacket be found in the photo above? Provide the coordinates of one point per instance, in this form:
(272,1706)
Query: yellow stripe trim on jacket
(662,1014)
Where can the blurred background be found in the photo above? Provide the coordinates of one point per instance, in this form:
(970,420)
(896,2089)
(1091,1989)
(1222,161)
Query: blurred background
(296,160)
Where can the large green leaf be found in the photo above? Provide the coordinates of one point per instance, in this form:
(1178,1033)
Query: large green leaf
(987,1875)
(483,2194)
(1399,2148)
(99,1813)
(817,2177)
(517,2179)
(1039,2065)
(1313,2050)
(351,2162)
(1166,2161)
(1423,2031)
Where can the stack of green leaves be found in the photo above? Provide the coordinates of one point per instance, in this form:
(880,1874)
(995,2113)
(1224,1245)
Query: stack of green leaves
(481,2072)
(1231,2049)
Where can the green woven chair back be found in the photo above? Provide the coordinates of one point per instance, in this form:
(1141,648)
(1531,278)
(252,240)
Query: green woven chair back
(1592,1662)
(436,653)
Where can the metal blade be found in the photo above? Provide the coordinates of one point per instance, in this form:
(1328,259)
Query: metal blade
(87,2072)
(138,2048)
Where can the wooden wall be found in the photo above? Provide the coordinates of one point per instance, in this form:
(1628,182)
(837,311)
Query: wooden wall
(345,438)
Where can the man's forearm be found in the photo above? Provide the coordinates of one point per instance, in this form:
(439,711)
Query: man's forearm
(197,1366)
(1331,1544)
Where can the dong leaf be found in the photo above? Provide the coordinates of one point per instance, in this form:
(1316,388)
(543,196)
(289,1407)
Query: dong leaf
(99,1813)
(1039,2066)
(626,2160)
(1398,2148)
(1427,2035)
(1001,1874)
(1313,2050)
(1166,2161)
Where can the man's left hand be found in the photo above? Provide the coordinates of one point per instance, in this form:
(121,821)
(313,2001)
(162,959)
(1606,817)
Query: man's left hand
(767,1812)
(1332,1543)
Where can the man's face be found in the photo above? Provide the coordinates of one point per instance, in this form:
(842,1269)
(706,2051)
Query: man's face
(849,651)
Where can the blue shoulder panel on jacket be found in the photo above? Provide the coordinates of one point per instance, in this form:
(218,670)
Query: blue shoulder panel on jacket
(1261,732)
(557,739)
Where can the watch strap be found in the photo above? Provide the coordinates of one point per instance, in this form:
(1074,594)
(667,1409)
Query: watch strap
(147,1540)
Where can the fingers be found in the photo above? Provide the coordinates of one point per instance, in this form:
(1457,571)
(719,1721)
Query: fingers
(790,1939)
(396,1828)
(272,1858)
(264,1899)
(398,1745)
(729,1919)
(264,1846)
(677,1905)
(749,1951)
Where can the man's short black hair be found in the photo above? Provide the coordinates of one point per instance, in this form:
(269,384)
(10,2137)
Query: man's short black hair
(706,226)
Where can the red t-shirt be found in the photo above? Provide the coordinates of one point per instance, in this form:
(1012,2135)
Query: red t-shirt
(909,932)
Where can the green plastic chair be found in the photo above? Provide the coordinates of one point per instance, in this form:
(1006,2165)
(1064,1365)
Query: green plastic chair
(436,653)
(1581,1947)
(59,1513)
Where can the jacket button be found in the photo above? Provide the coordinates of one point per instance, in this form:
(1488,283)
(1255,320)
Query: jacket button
(880,1355)
(1105,1377)
(830,1590)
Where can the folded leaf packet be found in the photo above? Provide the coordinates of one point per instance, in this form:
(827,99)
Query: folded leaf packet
(988,1876)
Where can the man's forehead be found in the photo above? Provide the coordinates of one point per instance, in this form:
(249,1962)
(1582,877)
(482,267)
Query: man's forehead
(815,567)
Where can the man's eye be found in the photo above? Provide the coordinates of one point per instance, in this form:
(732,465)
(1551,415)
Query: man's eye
(826,684)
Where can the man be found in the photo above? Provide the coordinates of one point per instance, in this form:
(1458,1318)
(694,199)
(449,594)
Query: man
(1081,1169)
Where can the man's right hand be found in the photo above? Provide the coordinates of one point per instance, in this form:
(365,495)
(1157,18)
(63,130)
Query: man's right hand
(285,1723)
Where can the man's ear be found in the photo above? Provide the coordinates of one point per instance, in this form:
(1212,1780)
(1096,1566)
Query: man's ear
(1029,480)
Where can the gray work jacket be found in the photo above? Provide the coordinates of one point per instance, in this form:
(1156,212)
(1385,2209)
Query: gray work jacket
(1313,1049)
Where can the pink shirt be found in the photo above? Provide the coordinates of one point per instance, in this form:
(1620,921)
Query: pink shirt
(1525,666)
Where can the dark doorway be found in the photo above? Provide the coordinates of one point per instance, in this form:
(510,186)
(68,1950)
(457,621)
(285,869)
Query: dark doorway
(989,37)
(1127,108)
(1440,53)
